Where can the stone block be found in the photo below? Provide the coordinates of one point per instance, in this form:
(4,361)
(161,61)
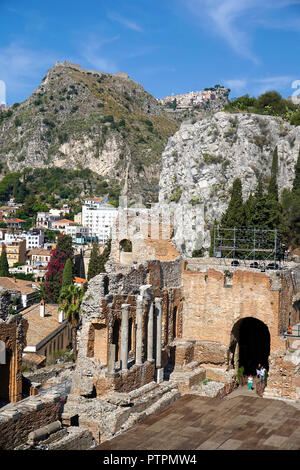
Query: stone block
(159,375)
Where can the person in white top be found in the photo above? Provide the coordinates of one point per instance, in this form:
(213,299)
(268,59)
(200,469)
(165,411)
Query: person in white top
(262,374)
(250,382)
(258,371)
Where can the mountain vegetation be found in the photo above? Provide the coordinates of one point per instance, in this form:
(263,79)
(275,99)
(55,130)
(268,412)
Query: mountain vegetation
(265,209)
(86,120)
(270,103)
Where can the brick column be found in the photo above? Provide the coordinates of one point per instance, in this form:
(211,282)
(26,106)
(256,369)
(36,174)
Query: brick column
(124,336)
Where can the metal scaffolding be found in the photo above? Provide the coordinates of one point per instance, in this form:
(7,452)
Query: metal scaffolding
(254,243)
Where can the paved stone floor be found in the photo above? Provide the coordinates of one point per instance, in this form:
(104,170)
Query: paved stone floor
(240,421)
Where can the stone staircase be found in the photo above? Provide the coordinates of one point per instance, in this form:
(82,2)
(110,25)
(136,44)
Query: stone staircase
(117,412)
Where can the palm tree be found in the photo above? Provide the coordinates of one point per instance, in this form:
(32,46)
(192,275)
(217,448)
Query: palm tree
(70,303)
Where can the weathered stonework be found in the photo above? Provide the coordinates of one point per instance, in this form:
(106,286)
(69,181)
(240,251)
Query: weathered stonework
(13,330)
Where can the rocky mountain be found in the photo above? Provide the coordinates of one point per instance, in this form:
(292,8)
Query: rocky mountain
(81,119)
(202,159)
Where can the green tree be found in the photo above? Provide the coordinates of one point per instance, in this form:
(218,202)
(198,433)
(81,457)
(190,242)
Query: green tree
(259,214)
(70,303)
(273,186)
(290,200)
(296,182)
(54,274)
(94,264)
(67,278)
(271,102)
(4,271)
(105,256)
(235,215)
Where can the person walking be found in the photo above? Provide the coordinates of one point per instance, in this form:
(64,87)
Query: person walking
(250,382)
(258,371)
(262,374)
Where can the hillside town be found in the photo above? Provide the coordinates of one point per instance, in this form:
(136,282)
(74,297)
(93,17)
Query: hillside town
(208,98)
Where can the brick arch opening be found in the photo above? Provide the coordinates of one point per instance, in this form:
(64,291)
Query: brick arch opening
(5,377)
(126,246)
(249,345)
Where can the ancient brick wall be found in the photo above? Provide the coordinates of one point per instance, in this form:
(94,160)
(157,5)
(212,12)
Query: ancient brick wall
(284,376)
(290,285)
(211,309)
(13,333)
(135,377)
(14,432)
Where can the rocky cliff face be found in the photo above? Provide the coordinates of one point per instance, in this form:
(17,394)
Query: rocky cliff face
(201,161)
(80,119)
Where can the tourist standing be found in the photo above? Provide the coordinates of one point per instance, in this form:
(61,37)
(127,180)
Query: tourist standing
(258,371)
(262,374)
(250,382)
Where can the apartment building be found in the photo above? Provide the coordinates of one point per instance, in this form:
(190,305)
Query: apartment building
(98,216)
(15,252)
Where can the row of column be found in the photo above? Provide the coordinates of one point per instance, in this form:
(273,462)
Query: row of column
(157,315)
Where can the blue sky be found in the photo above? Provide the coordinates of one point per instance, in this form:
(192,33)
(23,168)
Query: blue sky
(169,46)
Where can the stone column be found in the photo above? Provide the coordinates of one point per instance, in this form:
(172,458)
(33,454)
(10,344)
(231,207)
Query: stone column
(150,334)
(124,336)
(158,309)
(139,330)
(111,360)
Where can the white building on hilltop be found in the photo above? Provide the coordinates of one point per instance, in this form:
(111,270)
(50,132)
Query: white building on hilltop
(99,217)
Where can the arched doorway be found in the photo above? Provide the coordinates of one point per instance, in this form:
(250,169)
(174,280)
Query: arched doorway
(5,377)
(126,245)
(249,345)
(116,337)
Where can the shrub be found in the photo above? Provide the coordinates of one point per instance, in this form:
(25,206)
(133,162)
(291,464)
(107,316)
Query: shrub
(240,373)
(176,195)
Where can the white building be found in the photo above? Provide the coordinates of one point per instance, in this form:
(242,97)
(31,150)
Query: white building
(34,238)
(98,217)
(45,219)
(76,231)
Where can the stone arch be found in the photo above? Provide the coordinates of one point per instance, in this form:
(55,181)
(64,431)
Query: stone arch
(249,344)
(5,376)
(125,246)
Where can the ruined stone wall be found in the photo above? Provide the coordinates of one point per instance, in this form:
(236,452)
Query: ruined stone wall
(14,431)
(102,315)
(124,382)
(284,375)
(290,286)
(13,334)
(214,303)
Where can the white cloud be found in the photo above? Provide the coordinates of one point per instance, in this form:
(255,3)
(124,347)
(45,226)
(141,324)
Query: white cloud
(236,84)
(92,52)
(273,83)
(236,20)
(258,86)
(21,66)
(129,24)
